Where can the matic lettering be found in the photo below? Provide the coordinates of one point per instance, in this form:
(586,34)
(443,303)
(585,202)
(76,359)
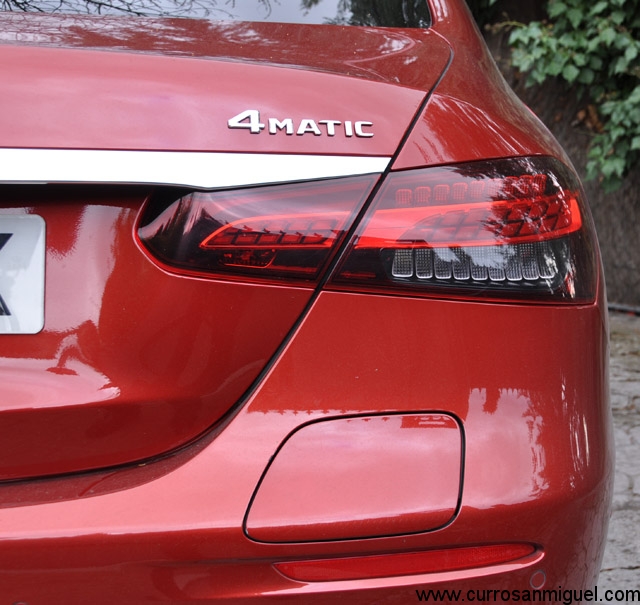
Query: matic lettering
(250,120)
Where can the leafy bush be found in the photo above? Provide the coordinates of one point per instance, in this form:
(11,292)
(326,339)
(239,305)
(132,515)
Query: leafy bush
(594,46)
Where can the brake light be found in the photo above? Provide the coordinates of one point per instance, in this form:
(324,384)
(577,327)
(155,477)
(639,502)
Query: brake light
(280,232)
(508,228)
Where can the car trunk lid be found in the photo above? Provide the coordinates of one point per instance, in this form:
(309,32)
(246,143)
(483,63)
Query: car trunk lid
(136,358)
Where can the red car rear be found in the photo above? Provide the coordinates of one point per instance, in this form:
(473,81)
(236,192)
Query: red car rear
(291,312)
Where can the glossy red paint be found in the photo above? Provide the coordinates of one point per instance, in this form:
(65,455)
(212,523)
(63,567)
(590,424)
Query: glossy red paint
(191,396)
(378,54)
(145,101)
(334,496)
(473,114)
(537,464)
(133,361)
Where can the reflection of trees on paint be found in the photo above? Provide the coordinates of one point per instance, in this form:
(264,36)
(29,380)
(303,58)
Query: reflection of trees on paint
(213,9)
(381,13)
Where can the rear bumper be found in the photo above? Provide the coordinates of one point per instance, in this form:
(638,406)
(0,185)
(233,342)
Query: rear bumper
(527,385)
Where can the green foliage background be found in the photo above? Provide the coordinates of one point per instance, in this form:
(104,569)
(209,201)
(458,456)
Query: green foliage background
(594,46)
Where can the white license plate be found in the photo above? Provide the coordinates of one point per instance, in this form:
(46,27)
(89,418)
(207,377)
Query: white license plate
(22,259)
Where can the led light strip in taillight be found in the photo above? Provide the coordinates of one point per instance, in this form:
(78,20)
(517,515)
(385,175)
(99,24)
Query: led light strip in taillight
(482,223)
(279,232)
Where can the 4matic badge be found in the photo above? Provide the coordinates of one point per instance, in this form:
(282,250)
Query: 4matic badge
(250,120)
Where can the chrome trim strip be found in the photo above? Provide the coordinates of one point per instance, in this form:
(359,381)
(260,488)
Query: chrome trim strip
(202,170)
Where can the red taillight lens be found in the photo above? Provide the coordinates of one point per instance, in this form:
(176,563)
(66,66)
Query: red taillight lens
(403,564)
(507,228)
(514,228)
(278,232)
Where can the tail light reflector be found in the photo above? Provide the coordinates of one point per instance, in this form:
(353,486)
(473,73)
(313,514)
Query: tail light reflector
(510,228)
(277,232)
(403,564)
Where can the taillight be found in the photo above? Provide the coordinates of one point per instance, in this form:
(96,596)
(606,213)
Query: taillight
(280,232)
(515,228)
(503,229)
